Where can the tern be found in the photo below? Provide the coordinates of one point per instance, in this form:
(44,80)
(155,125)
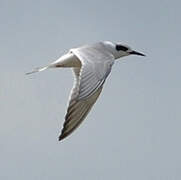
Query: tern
(91,65)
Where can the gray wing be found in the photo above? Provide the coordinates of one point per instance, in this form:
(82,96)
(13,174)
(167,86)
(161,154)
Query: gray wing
(89,79)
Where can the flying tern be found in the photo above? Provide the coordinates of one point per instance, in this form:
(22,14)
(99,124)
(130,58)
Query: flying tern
(91,65)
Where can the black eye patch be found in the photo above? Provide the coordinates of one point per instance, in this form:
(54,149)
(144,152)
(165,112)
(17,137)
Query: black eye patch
(121,48)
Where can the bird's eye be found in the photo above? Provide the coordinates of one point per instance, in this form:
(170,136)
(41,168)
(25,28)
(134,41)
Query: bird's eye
(121,48)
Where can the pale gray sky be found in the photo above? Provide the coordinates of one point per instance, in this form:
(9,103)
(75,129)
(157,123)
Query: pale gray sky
(132,133)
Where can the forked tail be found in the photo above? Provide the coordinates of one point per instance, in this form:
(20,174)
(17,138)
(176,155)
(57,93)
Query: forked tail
(38,70)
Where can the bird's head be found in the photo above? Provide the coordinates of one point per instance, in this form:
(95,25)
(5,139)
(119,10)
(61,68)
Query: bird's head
(119,50)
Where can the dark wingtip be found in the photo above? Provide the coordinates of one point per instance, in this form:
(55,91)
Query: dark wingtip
(62,136)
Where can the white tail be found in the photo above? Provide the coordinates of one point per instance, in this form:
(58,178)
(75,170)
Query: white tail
(38,70)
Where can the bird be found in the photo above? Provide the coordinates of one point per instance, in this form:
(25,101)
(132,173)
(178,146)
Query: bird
(91,65)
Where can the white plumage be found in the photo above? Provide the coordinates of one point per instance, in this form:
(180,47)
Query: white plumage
(91,65)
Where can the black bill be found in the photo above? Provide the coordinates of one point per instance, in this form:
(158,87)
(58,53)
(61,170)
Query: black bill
(137,53)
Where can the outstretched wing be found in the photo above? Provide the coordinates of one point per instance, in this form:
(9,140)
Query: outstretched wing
(96,65)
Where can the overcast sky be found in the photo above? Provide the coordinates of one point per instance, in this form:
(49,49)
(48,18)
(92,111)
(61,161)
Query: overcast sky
(134,130)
